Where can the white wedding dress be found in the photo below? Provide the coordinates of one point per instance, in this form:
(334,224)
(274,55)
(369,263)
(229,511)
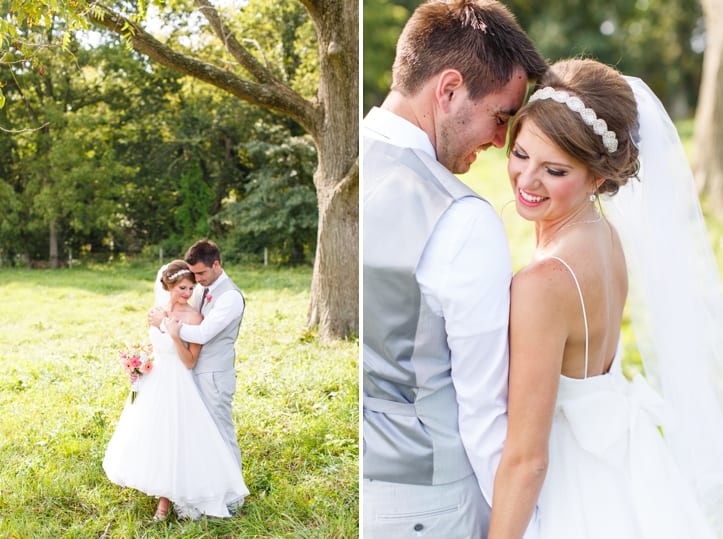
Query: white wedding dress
(166,443)
(611,474)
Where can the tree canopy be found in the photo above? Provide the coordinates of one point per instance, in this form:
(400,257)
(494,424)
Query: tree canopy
(297,61)
(636,37)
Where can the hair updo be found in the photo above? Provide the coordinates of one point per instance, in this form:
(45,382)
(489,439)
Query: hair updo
(604,90)
(175,272)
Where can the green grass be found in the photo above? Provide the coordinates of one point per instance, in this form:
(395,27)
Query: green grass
(62,390)
(488,177)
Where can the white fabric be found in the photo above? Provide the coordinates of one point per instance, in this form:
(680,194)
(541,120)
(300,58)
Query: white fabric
(228,306)
(161,296)
(676,301)
(464,274)
(166,443)
(387,126)
(605,450)
(610,473)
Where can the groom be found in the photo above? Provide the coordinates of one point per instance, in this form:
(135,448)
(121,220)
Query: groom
(221,303)
(437,270)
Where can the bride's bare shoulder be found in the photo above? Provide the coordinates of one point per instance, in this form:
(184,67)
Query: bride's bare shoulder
(191,316)
(544,284)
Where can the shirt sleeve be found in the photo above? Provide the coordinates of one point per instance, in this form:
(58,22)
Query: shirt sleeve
(465,274)
(229,305)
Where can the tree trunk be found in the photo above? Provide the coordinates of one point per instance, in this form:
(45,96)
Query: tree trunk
(53,242)
(709,114)
(335,284)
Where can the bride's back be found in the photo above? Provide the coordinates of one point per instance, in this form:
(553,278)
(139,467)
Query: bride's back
(594,254)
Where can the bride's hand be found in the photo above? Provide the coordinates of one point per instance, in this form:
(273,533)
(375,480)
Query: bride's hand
(156,316)
(173,326)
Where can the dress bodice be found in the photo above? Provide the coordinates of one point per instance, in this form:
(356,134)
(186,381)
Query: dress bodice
(163,345)
(601,409)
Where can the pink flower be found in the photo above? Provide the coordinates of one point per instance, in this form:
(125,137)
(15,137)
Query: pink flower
(136,360)
(209,297)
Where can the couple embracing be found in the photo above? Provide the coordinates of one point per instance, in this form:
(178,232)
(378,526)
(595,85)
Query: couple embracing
(495,406)
(177,440)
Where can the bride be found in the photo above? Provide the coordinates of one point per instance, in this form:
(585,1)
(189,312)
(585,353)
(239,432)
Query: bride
(166,444)
(588,453)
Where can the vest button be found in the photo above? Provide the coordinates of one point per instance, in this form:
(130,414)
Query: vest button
(418,527)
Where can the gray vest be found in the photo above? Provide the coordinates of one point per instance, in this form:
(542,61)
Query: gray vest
(411,432)
(218,354)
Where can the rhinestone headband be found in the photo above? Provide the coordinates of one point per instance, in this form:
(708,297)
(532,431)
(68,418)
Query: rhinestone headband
(178,274)
(575,104)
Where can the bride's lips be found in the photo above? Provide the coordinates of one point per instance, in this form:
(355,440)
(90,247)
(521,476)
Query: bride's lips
(530,200)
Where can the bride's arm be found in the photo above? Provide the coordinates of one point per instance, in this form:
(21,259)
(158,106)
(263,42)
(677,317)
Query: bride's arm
(187,352)
(537,339)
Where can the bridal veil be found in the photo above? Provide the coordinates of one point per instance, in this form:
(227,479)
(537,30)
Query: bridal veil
(676,300)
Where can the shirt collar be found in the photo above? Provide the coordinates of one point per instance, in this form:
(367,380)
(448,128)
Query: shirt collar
(384,125)
(217,282)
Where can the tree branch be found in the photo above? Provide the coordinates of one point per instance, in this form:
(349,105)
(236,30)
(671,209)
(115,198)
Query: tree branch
(246,59)
(268,93)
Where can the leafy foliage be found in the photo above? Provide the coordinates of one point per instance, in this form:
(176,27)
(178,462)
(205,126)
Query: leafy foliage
(636,37)
(278,206)
(112,152)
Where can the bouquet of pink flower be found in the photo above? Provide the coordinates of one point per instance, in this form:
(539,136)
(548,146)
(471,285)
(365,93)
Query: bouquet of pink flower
(136,359)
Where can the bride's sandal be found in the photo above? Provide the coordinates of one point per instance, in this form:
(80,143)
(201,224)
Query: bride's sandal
(162,510)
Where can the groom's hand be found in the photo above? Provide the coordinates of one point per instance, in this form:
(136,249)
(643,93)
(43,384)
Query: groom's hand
(156,316)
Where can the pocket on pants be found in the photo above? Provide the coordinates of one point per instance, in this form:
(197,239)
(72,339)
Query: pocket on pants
(224,384)
(438,522)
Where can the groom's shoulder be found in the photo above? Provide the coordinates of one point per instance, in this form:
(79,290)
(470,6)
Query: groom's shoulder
(228,284)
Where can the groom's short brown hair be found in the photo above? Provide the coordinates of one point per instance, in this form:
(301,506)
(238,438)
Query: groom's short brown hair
(479,38)
(204,251)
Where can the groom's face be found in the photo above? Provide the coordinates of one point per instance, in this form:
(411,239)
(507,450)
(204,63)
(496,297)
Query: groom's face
(206,275)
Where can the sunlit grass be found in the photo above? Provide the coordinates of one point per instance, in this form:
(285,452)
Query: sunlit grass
(61,393)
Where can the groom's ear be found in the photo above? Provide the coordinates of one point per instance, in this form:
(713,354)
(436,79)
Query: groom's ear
(449,82)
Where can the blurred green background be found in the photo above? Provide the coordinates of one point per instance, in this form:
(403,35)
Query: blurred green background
(660,41)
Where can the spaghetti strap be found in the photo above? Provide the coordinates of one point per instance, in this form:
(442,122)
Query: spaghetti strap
(582,303)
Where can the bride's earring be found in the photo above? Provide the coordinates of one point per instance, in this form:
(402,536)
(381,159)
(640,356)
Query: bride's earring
(592,197)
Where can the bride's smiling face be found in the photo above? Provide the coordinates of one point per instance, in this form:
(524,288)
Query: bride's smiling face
(182,291)
(548,184)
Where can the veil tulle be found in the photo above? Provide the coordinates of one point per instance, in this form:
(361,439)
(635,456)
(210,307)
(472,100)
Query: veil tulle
(161,296)
(676,300)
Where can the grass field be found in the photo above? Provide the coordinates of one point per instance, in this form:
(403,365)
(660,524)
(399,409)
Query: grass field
(62,390)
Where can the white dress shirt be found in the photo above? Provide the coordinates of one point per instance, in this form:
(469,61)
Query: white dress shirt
(464,275)
(227,306)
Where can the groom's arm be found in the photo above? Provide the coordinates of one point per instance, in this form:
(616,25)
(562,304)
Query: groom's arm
(465,274)
(229,305)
